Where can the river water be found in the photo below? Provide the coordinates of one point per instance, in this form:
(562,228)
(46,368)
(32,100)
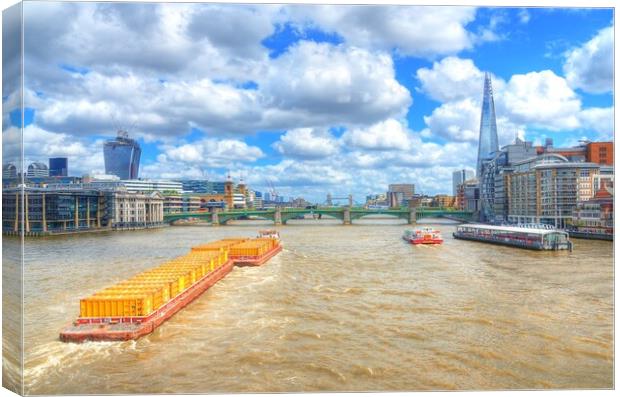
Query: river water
(342,308)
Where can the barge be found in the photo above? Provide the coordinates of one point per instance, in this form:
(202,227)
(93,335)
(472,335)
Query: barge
(255,252)
(514,236)
(137,306)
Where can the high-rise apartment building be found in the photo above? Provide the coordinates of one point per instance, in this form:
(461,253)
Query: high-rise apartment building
(488,142)
(58,166)
(546,189)
(122,156)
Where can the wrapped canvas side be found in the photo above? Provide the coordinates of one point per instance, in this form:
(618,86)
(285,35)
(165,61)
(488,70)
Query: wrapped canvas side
(12,199)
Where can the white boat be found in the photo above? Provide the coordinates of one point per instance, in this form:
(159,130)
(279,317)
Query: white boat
(269,233)
(423,235)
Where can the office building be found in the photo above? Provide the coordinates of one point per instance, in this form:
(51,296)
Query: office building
(53,210)
(589,152)
(488,142)
(135,210)
(407,189)
(9,171)
(468,196)
(460,176)
(147,186)
(37,170)
(122,156)
(58,166)
(177,203)
(493,207)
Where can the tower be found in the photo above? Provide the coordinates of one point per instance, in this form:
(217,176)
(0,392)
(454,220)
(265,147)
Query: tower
(228,192)
(122,156)
(487,144)
(243,190)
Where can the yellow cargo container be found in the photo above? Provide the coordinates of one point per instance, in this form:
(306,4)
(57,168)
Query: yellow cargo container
(160,294)
(147,291)
(164,287)
(116,306)
(251,248)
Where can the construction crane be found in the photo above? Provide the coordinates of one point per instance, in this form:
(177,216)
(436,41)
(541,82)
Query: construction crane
(272,190)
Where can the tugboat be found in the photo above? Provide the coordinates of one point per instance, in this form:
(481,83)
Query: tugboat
(270,233)
(425,235)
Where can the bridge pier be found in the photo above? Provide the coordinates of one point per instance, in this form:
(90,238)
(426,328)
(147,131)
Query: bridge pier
(215,218)
(277,216)
(347,216)
(412,216)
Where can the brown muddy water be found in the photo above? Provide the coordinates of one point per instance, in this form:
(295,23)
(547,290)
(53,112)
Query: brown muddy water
(342,308)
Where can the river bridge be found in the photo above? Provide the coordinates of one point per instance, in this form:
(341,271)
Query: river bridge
(280,216)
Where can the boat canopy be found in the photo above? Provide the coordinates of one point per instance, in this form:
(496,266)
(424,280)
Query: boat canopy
(512,229)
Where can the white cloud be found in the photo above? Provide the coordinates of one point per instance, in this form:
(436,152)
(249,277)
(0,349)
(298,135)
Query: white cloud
(524,15)
(540,98)
(590,67)
(600,120)
(450,79)
(312,85)
(213,152)
(307,143)
(533,100)
(84,157)
(413,30)
(456,120)
(385,135)
(328,84)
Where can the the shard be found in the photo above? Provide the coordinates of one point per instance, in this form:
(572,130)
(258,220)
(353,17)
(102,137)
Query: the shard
(488,127)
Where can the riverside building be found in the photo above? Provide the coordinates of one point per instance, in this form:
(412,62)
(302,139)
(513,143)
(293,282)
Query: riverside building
(78,208)
(546,189)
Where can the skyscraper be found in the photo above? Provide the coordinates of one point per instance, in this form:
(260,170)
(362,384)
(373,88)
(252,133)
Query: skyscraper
(122,156)
(488,128)
(58,166)
(460,176)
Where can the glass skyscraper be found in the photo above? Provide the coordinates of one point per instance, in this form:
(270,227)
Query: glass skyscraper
(58,166)
(488,144)
(122,156)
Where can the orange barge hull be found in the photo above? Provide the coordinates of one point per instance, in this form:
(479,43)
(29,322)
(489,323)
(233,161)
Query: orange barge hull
(127,328)
(256,260)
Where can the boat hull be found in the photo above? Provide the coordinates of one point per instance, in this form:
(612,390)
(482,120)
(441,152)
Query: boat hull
(426,241)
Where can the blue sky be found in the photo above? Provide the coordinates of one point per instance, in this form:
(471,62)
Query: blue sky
(315,99)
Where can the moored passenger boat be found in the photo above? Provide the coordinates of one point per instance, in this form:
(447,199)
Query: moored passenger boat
(522,237)
(424,235)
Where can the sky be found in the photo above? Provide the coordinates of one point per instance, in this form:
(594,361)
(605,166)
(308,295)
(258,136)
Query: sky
(313,99)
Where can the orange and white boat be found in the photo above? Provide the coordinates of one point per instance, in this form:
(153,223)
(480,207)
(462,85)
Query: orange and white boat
(269,233)
(425,235)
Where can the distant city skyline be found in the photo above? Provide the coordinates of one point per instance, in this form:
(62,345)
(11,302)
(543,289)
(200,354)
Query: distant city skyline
(304,101)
